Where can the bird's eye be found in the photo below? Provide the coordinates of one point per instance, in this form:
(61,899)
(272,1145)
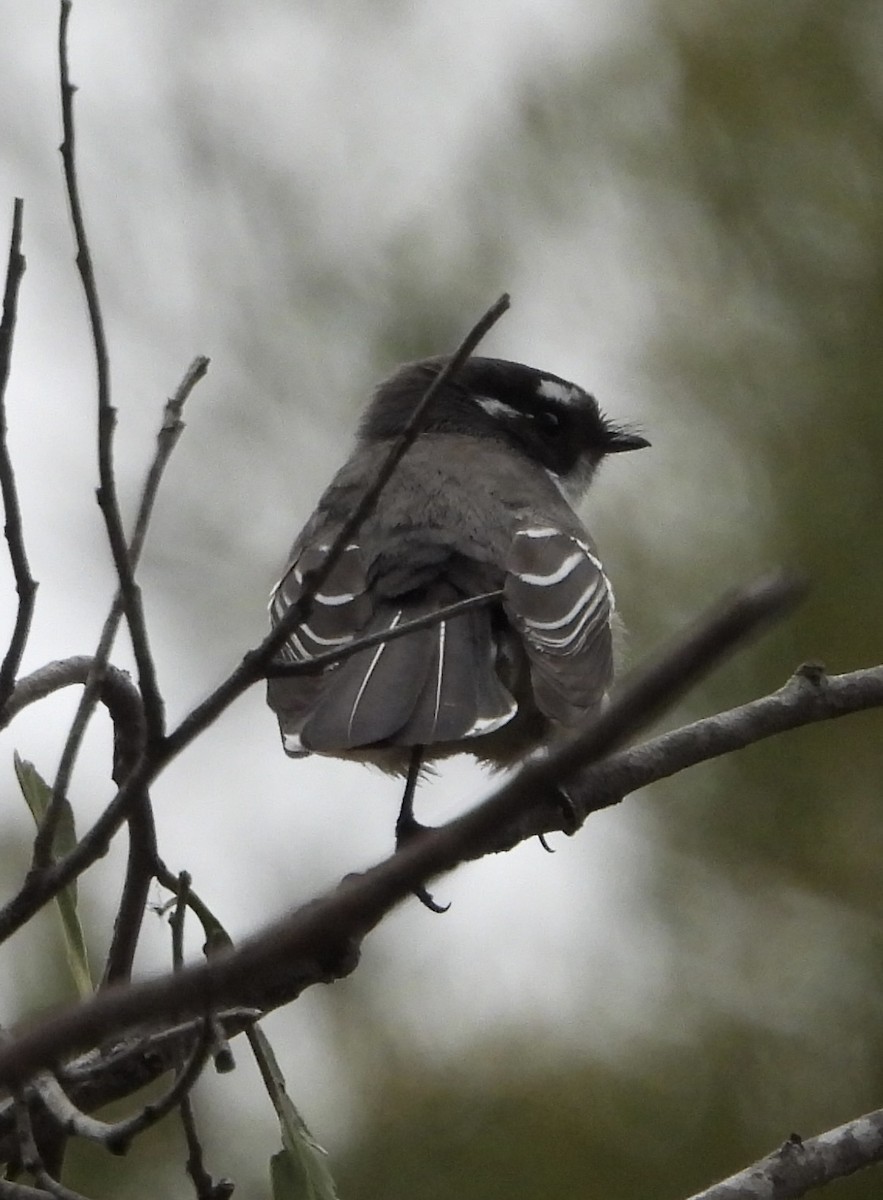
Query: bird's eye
(548,423)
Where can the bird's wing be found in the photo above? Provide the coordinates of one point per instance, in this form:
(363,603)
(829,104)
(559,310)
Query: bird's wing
(339,613)
(437,684)
(558,598)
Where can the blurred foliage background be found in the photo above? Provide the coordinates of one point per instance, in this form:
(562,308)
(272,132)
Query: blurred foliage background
(686,201)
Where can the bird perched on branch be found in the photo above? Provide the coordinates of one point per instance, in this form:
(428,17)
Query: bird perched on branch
(482,502)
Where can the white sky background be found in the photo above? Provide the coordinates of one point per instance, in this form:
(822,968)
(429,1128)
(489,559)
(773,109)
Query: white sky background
(371,114)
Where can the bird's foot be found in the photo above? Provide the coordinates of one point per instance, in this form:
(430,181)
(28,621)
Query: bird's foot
(407,829)
(569,817)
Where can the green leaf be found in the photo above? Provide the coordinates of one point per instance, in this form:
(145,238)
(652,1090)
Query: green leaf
(299,1171)
(38,795)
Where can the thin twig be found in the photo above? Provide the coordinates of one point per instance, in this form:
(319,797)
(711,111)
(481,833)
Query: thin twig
(177,920)
(169,432)
(24,582)
(166,439)
(29,1154)
(142,843)
(136,889)
(108,500)
(117,1136)
(216,937)
(116,1072)
(281,669)
(123,702)
(320,940)
(206,1187)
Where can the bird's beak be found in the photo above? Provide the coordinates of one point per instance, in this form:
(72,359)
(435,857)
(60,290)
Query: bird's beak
(621,440)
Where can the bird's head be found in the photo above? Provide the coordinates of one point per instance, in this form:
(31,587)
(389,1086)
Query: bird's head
(549,420)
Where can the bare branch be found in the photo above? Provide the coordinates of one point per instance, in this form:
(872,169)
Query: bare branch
(140,865)
(117,1136)
(142,845)
(29,1156)
(166,439)
(142,858)
(118,694)
(123,702)
(799,1166)
(117,1071)
(320,941)
(108,500)
(24,582)
(205,1186)
(179,912)
(806,698)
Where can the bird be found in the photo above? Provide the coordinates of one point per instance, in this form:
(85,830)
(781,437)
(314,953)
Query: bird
(483,502)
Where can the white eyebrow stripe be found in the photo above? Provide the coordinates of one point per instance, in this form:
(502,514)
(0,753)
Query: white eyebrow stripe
(497,408)
(374,661)
(566,568)
(564,393)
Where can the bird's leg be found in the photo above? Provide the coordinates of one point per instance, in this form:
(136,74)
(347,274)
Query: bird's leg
(408,827)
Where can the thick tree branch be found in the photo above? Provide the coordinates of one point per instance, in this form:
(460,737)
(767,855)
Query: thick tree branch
(24,582)
(320,941)
(809,696)
(799,1166)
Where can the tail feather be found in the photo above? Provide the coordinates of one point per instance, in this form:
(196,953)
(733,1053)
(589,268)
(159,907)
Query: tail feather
(461,695)
(434,685)
(370,696)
